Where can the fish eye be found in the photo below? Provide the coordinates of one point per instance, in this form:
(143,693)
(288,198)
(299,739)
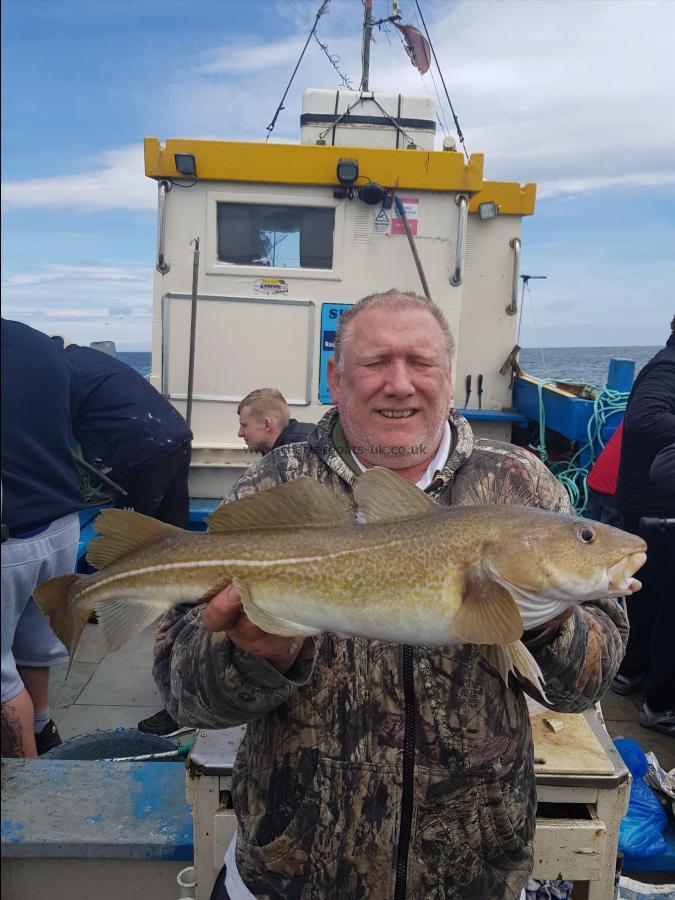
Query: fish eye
(587,535)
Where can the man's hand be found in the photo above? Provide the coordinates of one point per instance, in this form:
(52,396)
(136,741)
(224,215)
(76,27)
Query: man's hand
(224,612)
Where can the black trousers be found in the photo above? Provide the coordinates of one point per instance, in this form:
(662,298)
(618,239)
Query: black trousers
(219,891)
(651,613)
(160,489)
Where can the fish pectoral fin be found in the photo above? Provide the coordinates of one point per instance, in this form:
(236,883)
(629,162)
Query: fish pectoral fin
(527,666)
(268,621)
(123,531)
(382,496)
(488,614)
(514,657)
(294,504)
(121,618)
(498,657)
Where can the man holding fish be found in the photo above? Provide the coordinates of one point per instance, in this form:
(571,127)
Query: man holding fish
(366,595)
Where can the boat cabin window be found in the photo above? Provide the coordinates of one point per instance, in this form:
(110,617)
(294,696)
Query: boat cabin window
(287,237)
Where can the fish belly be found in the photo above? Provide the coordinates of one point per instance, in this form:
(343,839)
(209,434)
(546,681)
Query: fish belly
(419,617)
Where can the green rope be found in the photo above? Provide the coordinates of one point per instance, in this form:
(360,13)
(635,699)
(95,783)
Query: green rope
(93,492)
(571,472)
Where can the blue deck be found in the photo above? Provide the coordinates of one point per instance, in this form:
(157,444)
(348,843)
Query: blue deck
(567,414)
(95,810)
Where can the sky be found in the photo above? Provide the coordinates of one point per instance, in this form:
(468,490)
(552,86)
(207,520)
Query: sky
(575,95)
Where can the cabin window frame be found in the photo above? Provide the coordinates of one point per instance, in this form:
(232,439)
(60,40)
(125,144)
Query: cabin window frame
(215,266)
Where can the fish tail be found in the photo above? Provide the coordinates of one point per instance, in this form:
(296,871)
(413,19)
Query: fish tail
(67,621)
(527,666)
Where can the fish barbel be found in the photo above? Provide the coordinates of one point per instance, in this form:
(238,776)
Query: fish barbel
(397,567)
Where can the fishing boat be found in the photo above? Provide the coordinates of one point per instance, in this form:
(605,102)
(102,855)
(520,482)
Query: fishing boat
(260,249)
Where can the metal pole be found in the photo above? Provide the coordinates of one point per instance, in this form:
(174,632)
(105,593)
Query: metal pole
(365,52)
(418,262)
(193,329)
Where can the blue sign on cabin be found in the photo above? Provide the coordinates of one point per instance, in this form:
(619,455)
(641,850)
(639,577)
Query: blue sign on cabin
(330,317)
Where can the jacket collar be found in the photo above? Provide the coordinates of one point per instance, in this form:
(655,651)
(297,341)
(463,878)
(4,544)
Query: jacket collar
(330,444)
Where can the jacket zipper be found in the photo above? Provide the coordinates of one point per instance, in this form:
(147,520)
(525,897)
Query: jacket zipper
(408,773)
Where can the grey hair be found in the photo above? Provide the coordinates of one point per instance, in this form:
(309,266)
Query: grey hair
(391,300)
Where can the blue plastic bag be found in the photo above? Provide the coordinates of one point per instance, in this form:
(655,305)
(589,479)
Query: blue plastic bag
(641,827)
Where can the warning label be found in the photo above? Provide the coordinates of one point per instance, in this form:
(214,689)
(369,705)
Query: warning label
(411,206)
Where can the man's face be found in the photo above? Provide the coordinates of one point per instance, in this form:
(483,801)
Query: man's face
(395,387)
(255,430)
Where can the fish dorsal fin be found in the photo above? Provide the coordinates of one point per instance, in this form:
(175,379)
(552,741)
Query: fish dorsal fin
(488,614)
(381,496)
(123,531)
(294,504)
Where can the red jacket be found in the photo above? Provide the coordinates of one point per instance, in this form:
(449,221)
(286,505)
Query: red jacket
(604,474)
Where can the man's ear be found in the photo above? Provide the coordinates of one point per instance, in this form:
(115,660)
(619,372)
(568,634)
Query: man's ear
(450,383)
(334,378)
(269,424)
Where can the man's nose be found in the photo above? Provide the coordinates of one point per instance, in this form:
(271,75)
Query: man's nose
(240,433)
(399,381)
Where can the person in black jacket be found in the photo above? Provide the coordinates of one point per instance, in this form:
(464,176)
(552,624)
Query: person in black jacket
(41,529)
(131,433)
(649,428)
(265,421)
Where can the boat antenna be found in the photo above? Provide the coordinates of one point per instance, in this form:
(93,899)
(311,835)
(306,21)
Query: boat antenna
(447,95)
(367,37)
(323,9)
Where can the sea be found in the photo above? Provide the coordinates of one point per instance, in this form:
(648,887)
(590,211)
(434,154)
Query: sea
(587,365)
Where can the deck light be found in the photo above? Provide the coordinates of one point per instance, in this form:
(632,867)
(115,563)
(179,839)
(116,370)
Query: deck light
(488,210)
(185,164)
(347,171)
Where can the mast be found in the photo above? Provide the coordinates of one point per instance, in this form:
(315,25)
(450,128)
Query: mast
(367,33)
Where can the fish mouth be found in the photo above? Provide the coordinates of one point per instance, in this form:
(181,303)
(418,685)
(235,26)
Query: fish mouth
(620,575)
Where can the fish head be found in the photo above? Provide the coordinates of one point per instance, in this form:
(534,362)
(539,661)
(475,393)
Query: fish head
(566,558)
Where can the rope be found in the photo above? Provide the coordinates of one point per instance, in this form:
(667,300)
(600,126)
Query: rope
(322,10)
(334,60)
(572,473)
(452,109)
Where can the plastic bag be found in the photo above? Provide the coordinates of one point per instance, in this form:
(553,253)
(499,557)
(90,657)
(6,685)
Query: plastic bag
(630,889)
(641,827)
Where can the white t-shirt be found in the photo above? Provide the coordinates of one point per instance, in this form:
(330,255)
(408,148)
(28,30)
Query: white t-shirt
(234,886)
(434,466)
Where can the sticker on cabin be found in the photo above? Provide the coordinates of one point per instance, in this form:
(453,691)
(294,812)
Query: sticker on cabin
(270,287)
(411,205)
(381,222)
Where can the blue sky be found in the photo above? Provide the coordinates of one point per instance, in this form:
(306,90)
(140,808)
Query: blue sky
(573,95)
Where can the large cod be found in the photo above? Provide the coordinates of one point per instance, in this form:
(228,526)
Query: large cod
(396,566)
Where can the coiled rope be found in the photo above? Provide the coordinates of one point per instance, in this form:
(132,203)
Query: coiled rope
(572,473)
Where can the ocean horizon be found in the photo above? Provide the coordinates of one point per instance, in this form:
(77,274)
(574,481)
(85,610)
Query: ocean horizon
(580,364)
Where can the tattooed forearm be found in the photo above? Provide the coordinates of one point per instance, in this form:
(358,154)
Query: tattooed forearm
(11,741)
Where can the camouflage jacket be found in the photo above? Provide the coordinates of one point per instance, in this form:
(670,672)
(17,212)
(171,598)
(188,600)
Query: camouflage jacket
(374,770)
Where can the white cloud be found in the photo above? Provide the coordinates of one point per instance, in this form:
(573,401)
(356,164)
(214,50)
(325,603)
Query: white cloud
(85,303)
(233,59)
(79,273)
(116,181)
